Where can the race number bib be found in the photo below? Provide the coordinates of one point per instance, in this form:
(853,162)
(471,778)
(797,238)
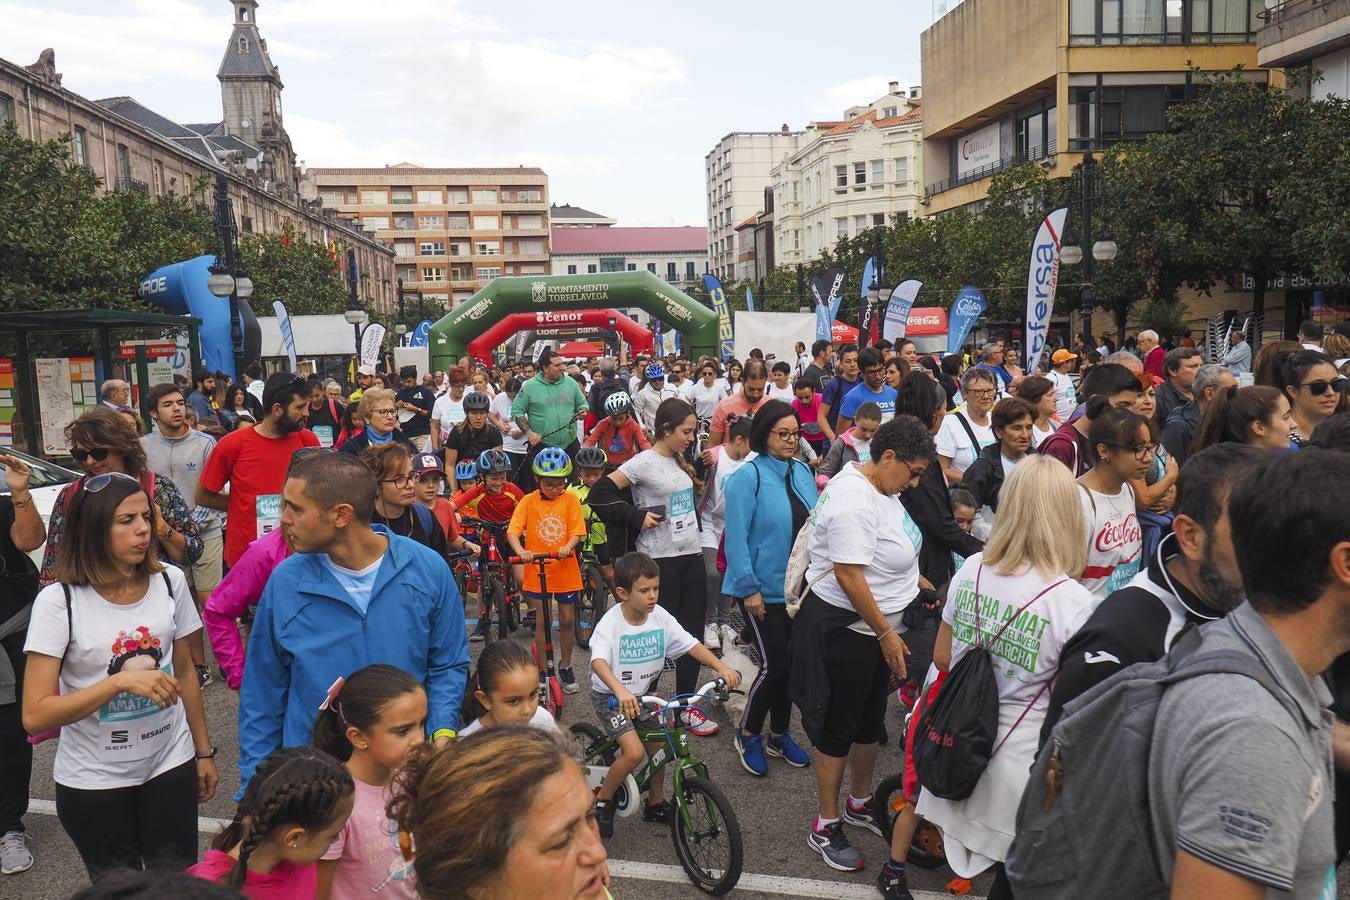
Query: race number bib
(132,727)
(1122,575)
(680,513)
(325,435)
(268,507)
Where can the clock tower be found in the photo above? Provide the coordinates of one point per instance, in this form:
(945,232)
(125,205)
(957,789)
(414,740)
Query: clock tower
(250,90)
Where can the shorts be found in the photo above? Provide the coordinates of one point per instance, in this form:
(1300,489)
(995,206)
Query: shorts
(614,722)
(206,571)
(421,442)
(859,678)
(562,598)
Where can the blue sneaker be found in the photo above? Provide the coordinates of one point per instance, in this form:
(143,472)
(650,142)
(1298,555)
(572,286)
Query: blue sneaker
(786,749)
(750,748)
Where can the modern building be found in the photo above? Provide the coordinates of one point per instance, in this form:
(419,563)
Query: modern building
(1312,33)
(847,176)
(132,148)
(568,216)
(678,255)
(736,171)
(452,230)
(1005,83)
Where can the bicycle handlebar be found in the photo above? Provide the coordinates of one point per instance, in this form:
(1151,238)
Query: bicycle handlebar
(715,687)
(540,558)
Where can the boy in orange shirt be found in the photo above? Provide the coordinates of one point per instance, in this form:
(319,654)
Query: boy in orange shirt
(546,521)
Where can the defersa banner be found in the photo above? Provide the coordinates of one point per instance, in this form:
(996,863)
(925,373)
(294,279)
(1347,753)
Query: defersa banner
(1041,281)
(897,310)
(726,335)
(966,308)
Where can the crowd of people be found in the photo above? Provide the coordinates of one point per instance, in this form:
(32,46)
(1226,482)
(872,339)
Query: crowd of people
(841,519)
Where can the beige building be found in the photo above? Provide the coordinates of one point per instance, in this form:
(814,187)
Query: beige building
(452,230)
(677,254)
(847,176)
(736,172)
(132,148)
(1312,33)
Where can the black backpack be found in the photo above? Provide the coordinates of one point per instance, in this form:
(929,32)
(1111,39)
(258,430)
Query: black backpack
(955,737)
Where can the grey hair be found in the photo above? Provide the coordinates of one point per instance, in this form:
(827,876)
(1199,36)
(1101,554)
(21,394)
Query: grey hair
(110,387)
(974,374)
(1206,377)
(988,350)
(1127,359)
(608,365)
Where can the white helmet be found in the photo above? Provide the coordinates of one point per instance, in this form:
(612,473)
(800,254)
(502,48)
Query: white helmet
(617,402)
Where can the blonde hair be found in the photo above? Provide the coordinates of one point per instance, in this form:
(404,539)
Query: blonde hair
(1040,522)
(371,400)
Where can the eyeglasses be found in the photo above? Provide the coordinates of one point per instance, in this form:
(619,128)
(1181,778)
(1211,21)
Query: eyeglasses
(1141,452)
(981,392)
(1319,387)
(873,371)
(386,412)
(99,482)
(80,455)
(787,435)
(400,480)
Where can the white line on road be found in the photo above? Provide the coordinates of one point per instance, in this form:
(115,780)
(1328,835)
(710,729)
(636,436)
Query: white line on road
(643,871)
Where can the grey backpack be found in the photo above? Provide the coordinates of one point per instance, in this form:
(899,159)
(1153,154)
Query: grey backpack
(1088,788)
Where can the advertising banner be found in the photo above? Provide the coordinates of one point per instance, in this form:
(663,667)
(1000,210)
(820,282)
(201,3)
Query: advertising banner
(287,335)
(897,309)
(749,299)
(726,334)
(371,339)
(827,289)
(966,308)
(1041,281)
(421,334)
(978,149)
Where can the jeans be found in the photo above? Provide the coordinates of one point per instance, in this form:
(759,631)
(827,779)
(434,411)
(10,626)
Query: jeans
(719,604)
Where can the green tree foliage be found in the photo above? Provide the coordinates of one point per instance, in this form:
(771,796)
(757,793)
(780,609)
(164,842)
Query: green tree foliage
(296,271)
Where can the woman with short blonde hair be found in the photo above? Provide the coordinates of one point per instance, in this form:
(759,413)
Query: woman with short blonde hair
(376,408)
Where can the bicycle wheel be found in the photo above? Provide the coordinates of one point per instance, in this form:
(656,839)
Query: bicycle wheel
(489,591)
(888,800)
(586,735)
(707,836)
(591,606)
(495,601)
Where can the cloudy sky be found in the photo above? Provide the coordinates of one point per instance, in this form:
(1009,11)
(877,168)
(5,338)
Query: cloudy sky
(617,102)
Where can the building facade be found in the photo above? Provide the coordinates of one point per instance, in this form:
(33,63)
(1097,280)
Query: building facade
(736,172)
(1312,33)
(568,216)
(1044,80)
(678,255)
(132,148)
(452,230)
(848,176)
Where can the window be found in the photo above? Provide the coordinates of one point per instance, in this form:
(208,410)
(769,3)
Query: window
(123,163)
(461,273)
(890,112)
(459,248)
(6,108)
(430,223)
(459,222)
(671,273)
(611,264)
(1225,21)
(403,222)
(405,273)
(375,223)
(489,248)
(860,173)
(529,222)
(1163,21)
(485,223)
(901,169)
(796,239)
(689,270)
(878,172)
(590,269)
(632,267)
(484,196)
(532,270)
(529,196)
(859,224)
(457,195)
(157,177)
(651,267)
(243,46)
(531,247)
(332,197)
(433,273)
(403,248)
(401,195)
(429,196)
(432,248)
(1121,112)
(374,196)
(79,145)
(878,220)
(841,176)
(247,223)
(571,270)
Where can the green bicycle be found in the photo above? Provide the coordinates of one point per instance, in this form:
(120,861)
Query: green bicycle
(703,825)
(594,599)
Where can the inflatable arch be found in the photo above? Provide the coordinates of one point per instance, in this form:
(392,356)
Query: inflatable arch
(180,288)
(451,336)
(605,319)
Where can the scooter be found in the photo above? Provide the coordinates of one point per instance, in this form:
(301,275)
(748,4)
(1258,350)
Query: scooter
(550,688)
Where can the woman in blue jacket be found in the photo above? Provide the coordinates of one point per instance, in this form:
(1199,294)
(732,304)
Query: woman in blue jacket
(767,501)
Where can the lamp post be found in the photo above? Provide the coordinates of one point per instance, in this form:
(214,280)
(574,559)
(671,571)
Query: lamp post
(353,313)
(1089,189)
(401,326)
(227,279)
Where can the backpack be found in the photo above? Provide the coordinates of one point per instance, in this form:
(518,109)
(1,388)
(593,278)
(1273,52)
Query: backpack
(1069,811)
(955,733)
(795,585)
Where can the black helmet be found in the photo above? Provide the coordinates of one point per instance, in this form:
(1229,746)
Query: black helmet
(476,401)
(591,458)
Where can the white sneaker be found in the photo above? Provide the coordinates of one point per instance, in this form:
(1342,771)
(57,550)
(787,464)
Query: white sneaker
(729,635)
(14,854)
(712,638)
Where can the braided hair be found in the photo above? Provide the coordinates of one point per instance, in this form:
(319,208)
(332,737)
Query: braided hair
(298,786)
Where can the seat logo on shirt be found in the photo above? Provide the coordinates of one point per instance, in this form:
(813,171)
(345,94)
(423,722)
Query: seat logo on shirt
(1100,656)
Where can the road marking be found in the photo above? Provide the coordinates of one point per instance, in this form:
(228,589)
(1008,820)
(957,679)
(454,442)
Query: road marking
(643,871)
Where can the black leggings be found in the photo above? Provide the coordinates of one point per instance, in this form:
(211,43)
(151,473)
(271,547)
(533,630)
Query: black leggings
(684,589)
(16,754)
(768,693)
(154,824)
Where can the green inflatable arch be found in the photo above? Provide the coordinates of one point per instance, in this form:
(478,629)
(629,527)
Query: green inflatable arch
(450,337)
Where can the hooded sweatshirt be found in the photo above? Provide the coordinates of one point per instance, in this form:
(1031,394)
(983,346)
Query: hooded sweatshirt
(762,524)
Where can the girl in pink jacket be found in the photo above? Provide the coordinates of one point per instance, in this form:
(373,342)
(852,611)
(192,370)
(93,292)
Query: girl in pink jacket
(241,588)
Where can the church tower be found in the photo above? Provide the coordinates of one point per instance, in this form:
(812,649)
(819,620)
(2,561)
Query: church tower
(250,90)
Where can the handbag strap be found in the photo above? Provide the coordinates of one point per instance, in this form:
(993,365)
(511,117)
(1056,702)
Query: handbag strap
(1047,589)
(1026,710)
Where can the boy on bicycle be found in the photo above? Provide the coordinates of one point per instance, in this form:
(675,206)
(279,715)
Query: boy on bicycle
(618,433)
(591,462)
(548,521)
(629,648)
(492,501)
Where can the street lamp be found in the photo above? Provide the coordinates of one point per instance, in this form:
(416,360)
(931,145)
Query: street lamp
(401,326)
(227,279)
(353,313)
(1088,189)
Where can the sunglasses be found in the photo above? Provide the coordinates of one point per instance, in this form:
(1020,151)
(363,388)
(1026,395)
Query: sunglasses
(80,455)
(99,482)
(1319,387)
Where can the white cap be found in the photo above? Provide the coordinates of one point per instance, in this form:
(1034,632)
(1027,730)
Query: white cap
(365,370)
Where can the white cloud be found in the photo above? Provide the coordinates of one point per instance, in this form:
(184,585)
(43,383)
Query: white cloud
(832,101)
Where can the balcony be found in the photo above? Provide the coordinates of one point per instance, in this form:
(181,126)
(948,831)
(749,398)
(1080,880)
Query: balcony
(1298,31)
(131,184)
(526,232)
(1045,152)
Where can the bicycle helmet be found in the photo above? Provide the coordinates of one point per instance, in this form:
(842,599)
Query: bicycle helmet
(476,401)
(617,403)
(466,470)
(552,462)
(591,458)
(491,462)
(655,372)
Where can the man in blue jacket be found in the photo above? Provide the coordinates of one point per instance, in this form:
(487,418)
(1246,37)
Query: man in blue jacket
(352,595)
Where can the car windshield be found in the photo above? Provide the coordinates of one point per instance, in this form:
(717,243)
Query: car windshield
(44,473)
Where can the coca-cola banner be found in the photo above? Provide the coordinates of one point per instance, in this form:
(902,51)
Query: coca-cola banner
(968,306)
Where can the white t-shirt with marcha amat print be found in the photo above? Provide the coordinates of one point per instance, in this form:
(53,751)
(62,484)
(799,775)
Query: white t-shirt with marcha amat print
(637,653)
(1026,655)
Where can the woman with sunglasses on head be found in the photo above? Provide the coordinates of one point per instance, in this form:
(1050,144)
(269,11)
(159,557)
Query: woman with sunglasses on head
(376,408)
(1310,380)
(109,664)
(1124,447)
(707,392)
(101,442)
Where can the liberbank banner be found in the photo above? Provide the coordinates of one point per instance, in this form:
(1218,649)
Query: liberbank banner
(978,149)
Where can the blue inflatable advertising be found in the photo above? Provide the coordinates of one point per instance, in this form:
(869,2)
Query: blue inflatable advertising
(180,288)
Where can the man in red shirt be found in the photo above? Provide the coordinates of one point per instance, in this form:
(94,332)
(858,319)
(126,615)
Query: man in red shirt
(1151,352)
(253,463)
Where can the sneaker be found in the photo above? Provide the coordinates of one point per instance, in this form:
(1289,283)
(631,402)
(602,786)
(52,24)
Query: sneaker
(604,817)
(658,812)
(14,854)
(204,676)
(893,886)
(569,681)
(712,637)
(480,632)
(728,636)
(696,722)
(833,846)
(862,816)
(750,747)
(789,751)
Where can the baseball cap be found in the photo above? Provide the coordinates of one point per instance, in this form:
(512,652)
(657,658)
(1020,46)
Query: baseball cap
(365,370)
(427,462)
(1062,356)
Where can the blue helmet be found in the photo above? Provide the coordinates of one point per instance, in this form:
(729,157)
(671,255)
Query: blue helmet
(552,462)
(466,470)
(655,372)
(490,462)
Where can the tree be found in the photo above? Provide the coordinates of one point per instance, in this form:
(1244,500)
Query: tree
(296,271)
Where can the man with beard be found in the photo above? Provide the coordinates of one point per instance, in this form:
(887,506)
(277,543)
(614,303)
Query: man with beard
(253,462)
(1192,578)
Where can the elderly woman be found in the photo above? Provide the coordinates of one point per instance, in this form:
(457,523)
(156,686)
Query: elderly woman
(864,572)
(376,408)
(967,431)
(767,502)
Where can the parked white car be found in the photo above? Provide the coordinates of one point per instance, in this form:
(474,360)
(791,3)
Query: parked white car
(46,482)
